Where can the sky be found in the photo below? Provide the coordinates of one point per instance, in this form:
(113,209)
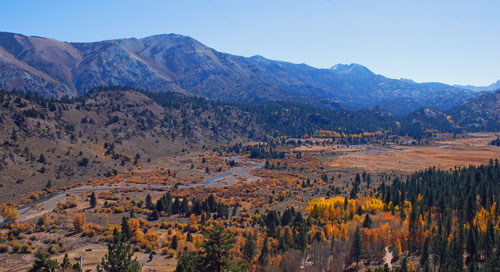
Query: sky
(452,41)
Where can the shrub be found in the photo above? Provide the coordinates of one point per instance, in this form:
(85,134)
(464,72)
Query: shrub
(83,162)
(4,248)
(53,249)
(25,248)
(16,247)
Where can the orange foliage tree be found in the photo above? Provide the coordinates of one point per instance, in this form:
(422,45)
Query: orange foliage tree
(79,221)
(9,212)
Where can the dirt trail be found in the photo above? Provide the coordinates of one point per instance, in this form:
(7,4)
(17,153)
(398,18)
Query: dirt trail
(46,205)
(232,176)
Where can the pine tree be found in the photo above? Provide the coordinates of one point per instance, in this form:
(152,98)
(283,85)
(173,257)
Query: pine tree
(212,203)
(189,262)
(368,221)
(493,263)
(301,240)
(119,257)
(43,264)
(216,249)
(42,159)
(93,200)
(404,265)
(471,246)
(149,202)
(357,247)
(175,242)
(65,263)
(126,230)
(424,257)
(155,215)
(13,136)
(264,252)
(249,248)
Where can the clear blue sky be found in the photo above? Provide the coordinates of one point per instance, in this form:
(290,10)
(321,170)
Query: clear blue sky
(454,41)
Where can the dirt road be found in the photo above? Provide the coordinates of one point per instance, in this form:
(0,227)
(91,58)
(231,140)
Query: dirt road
(46,205)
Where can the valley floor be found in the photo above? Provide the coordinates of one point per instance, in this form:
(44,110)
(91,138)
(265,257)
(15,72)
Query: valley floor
(442,153)
(235,179)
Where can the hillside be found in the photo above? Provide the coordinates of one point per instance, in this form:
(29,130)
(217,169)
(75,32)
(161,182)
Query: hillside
(102,134)
(181,64)
(110,130)
(424,119)
(478,114)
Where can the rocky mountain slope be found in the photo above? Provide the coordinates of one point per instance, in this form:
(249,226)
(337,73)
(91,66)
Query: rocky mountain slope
(182,64)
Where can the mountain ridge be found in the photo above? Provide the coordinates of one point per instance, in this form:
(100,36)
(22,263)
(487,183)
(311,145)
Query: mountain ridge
(490,88)
(177,63)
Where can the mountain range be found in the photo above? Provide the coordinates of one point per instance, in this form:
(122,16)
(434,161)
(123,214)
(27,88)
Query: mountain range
(176,63)
(489,88)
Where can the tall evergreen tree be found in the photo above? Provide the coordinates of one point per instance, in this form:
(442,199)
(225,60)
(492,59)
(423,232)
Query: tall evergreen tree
(264,252)
(126,229)
(249,248)
(424,256)
(93,200)
(43,263)
(65,263)
(175,242)
(149,202)
(119,257)
(216,249)
(189,262)
(356,247)
(367,223)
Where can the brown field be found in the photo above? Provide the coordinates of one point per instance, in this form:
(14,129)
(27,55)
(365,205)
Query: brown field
(444,154)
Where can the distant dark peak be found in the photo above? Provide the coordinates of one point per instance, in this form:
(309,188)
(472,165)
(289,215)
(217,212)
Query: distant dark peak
(351,68)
